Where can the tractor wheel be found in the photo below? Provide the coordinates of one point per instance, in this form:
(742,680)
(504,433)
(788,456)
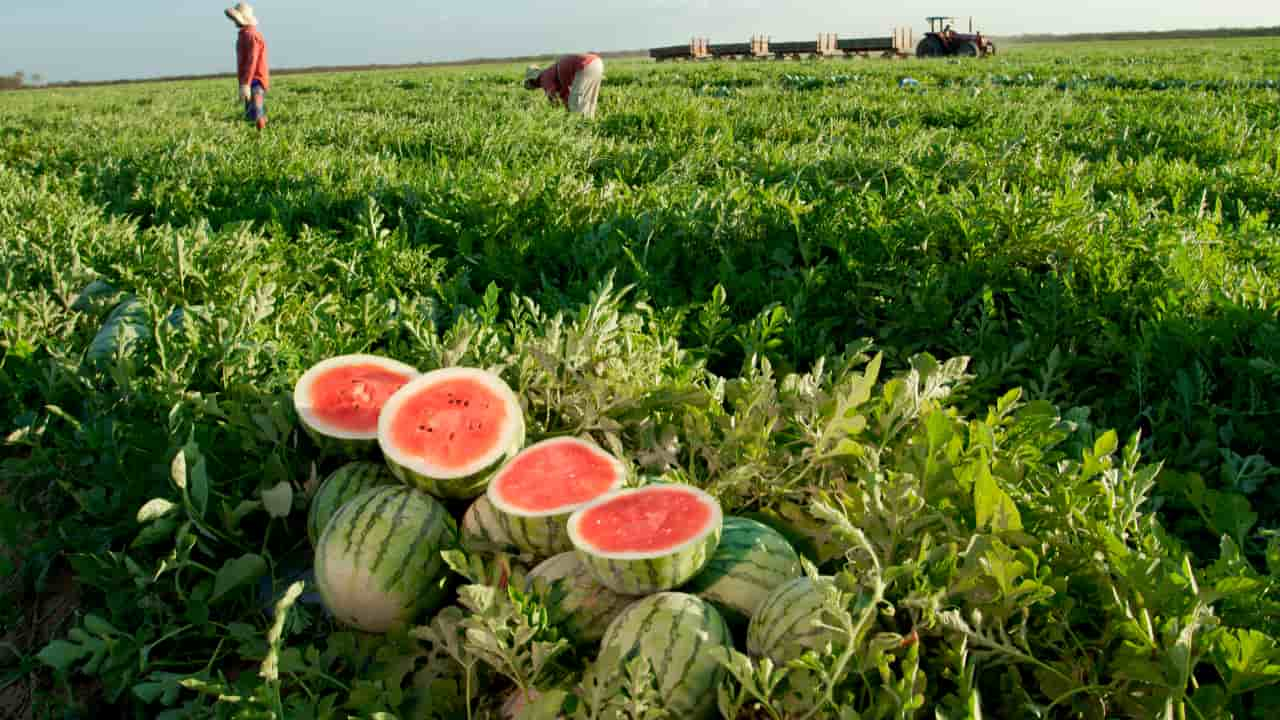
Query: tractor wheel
(968,49)
(929,47)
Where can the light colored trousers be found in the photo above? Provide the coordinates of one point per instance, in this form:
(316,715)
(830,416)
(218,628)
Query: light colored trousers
(585,91)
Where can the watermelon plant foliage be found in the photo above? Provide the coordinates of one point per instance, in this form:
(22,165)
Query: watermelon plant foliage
(997,356)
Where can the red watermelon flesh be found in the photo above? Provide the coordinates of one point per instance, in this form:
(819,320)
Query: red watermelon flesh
(349,397)
(644,521)
(555,475)
(449,423)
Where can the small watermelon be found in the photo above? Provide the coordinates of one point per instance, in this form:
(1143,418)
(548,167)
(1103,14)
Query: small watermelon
(342,484)
(481,522)
(790,621)
(339,400)
(643,540)
(536,491)
(586,607)
(127,330)
(750,561)
(378,561)
(446,431)
(673,631)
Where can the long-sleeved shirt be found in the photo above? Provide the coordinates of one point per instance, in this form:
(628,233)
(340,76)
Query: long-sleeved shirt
(251,58)
(557,80)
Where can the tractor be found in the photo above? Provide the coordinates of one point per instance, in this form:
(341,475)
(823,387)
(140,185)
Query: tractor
(942,40)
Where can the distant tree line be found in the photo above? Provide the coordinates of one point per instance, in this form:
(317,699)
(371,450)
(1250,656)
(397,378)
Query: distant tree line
(1151,35)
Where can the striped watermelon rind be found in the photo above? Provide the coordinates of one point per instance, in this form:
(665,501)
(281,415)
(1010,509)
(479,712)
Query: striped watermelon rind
(586,607)
(378,562)
(790,621)
(333,440)
(749,562)
(470,481)
(340,486)
(673,631)
(642,573)
(543,534)
(482,522)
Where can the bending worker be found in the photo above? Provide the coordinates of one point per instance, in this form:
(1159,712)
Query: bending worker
(251,64)
(573,80)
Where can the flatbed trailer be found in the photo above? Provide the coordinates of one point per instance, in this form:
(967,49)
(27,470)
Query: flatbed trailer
(899,44)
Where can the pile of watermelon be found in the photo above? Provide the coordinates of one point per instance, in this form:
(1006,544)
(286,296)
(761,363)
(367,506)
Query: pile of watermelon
(651,570)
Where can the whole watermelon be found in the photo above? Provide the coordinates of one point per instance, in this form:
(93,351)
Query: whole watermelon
(585,607)
(340,486)
(378,561)
(674,632)
(751,560)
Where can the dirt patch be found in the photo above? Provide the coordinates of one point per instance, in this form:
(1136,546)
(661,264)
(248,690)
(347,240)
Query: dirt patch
(43,616)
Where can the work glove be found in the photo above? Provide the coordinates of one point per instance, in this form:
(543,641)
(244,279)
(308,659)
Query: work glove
(244,93)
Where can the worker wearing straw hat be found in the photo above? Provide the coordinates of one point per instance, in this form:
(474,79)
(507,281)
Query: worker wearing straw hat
(573,80)
(251,64)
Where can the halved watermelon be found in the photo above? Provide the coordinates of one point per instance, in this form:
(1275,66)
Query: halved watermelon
(536,491)
(339,399)
(447,430)
(648,539)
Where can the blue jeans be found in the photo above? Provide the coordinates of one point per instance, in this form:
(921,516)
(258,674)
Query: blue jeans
(256,106)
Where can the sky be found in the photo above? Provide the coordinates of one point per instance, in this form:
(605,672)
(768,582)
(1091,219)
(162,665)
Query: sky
(94,40)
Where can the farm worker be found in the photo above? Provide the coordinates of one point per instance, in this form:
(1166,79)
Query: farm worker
(251,64)
(573,80)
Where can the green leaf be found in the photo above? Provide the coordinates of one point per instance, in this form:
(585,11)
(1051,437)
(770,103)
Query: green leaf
(163,687)
(996,510)
(1247,659)
(939,429)
(548,706)
(1106,444)
(178,470)
(61,655)
(237,572)
(198,488)
(278,500)
(155,508)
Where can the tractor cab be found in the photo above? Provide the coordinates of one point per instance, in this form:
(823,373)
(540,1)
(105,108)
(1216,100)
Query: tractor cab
(943,40)
(940,24)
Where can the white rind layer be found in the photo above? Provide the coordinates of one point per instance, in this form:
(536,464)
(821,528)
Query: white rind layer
(302,402)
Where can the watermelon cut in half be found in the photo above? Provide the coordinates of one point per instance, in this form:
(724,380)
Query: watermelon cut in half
(536,491)
(644,540)
(447,430)
(339,400)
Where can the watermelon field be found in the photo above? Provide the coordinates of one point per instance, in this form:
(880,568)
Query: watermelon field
(869,399)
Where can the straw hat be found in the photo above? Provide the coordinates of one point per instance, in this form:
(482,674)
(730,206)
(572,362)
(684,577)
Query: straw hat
(532,73)
(242,15)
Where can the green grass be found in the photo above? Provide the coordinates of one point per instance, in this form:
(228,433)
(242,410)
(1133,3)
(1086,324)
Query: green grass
(1093,224)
